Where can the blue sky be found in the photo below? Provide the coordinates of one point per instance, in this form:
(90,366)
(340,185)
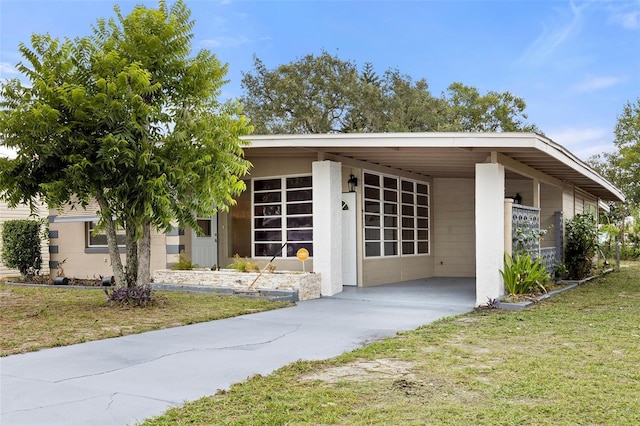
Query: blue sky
(574,63)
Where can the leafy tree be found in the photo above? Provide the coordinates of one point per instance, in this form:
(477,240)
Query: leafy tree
(627,158)
(494,112)
(311,95)
(323,94)
(127,117)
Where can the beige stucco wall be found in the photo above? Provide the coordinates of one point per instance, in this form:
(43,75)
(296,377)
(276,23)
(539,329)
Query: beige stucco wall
(453,228)
(71,244)
(23,212)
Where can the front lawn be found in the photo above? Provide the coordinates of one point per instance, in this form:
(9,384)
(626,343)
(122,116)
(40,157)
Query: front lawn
(34,318)
(569,360)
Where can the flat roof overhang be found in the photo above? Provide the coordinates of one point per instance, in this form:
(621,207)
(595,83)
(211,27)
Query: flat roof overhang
(446,155)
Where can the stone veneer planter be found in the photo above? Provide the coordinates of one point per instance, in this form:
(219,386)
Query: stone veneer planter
(307,284)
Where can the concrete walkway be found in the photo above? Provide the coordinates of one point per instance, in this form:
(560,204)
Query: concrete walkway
(125,380)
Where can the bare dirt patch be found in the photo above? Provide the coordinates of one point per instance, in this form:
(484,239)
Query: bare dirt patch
(360,371)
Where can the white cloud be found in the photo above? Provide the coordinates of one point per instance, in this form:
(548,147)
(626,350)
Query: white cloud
(553,36)
(225,41)
(591,84)
(630,21)
(585,141)
(6,69)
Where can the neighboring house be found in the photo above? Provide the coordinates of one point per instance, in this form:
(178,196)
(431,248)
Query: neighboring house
(23,212)
(421,205)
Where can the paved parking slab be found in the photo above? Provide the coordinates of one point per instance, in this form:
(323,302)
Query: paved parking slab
(125,380)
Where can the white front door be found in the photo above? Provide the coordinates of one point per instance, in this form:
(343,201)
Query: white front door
(204,249)
(349,245)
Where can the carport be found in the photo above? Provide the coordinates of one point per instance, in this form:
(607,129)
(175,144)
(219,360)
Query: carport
(468,177)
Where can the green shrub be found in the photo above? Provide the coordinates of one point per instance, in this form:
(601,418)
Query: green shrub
(581,246)
(243,265)
(521,275)
(183,264)
(21,245)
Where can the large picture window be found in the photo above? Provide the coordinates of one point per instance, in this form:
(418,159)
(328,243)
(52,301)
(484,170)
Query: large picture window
(396,216)
(282,212)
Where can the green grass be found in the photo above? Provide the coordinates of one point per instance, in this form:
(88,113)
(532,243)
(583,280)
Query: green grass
(36,318)
(570,360)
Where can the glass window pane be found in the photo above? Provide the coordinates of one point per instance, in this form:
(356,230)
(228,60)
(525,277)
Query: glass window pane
(407,210)
(422,212)
(268,235)
(372,207)
(390,208)
(390,249)
(390,234)
(205,227)
(292,249)
(391,221)
(303,208)
(300,222)
(407,234)
(269,249)
(372,180)
(422,200)
(299,195)
(299,182)
(423,234)
(371,193)
(268,210)
(372,249)
(268,222)
(390,196)
(371,234)
(300,235)
(98,240)
(423,247)
(390,183)
(423,223)
(267,184)
(267,197)
(422,189)
(407,248)
(407,222)
(407,186)
(407,198)
(371,220)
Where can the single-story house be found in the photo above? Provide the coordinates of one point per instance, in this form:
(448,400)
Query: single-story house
(376,208)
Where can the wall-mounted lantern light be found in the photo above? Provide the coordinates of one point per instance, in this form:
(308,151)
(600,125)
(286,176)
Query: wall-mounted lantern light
(353,182)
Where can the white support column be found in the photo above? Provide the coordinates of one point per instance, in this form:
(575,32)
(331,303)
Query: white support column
(508,226)
(327,225)
(489,231)
(536,193)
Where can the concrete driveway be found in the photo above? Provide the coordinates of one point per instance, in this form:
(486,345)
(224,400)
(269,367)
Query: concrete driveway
(125,380)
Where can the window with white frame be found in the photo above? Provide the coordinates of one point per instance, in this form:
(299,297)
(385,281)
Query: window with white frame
(282,212)
(415,217)
(99,239)
(396,216)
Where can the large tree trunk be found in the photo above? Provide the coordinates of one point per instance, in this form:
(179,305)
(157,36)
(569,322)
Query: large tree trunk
(144,256)
(112,243)
(131,270)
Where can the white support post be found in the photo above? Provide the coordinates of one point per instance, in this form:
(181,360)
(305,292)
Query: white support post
(508,226)
(327,225)
(490,229)
(536,193)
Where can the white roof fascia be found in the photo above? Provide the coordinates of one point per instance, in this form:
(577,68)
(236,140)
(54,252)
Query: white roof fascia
(464,140)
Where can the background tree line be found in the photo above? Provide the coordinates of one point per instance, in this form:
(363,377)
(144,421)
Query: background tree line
(325,94)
